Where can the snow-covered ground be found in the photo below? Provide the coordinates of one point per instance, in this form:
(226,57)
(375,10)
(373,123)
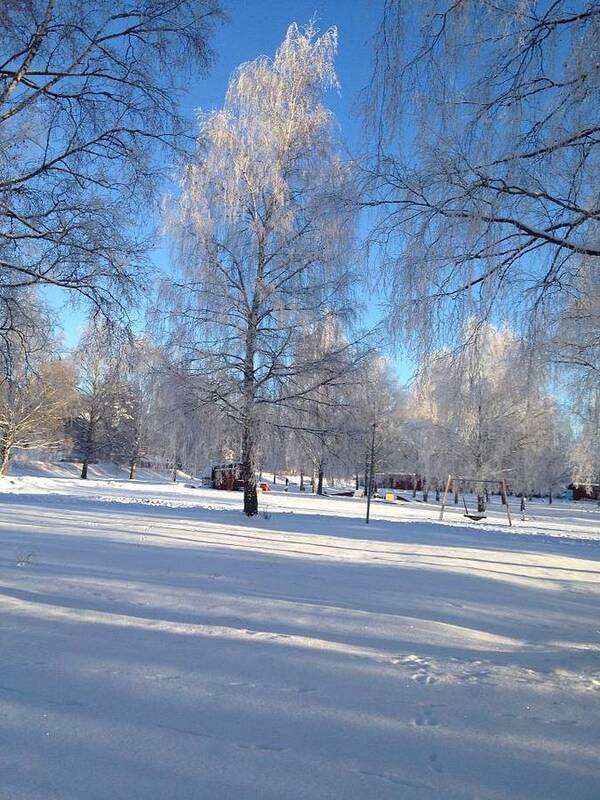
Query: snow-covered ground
(156,645)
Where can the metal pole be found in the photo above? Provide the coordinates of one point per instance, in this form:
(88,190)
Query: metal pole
(371,469)
(505,490)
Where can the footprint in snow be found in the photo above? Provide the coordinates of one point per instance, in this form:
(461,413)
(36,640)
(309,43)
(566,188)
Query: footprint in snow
(433,763)
(426,719)
(423,677)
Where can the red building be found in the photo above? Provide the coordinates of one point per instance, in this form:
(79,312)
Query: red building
(582,491)
(406,481)
(227,476)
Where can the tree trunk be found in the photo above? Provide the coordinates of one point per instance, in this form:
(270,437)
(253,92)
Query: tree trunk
(550,496)
(4,458)
(320,479)
(132,469)
(357,482)
(425,490)
(480,503)
(302,487)
(89,445)
(249,446)
(249,468)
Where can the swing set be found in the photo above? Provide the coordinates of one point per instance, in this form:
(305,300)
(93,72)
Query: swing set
(476,516)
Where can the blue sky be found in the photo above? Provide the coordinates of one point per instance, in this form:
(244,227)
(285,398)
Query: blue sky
(258,28)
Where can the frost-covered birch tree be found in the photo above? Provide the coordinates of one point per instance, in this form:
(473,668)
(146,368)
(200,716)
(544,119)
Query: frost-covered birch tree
(322,418)
(486,122)
(97,425)
(375,397)
(88,108)
(264,247)
(487,413)
(36,395)
(586,451)
(30,399)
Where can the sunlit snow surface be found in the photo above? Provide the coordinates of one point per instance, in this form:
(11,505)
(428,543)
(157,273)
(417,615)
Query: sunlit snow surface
(156,645)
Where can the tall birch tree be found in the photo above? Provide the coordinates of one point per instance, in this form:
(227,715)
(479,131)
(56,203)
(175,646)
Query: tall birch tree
(262,241)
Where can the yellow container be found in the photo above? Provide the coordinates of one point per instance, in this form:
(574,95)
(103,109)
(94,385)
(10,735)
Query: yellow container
(390,496)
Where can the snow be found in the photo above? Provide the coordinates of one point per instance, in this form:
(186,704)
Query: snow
(158,645)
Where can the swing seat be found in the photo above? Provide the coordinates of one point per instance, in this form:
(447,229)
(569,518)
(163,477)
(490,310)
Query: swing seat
(475,517)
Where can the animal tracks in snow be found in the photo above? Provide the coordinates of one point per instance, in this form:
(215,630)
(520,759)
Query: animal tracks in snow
(261,748)
(256,747)
(427,718)
(474,672)
(423,671)
(395,779)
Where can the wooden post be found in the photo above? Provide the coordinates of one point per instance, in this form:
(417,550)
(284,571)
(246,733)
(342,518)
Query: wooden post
(446,490)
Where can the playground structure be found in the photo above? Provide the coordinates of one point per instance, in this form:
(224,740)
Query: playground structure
(478,515)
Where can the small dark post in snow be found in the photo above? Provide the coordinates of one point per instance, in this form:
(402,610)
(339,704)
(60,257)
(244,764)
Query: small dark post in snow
(505,495)
(369,489)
